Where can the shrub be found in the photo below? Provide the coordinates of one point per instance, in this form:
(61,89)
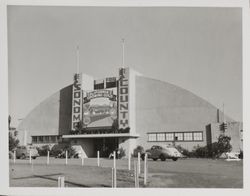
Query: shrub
(59,148)
(215,149)
(13,142)
(200,152)
(43,150)
(138,149)
(122,153)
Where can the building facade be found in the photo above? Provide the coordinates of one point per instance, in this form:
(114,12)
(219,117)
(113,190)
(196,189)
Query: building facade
(123,112)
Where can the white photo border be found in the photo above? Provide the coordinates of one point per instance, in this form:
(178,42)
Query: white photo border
(4,166)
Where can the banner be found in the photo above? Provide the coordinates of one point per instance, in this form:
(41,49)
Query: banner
(100,93)
(76,101)
(123,98)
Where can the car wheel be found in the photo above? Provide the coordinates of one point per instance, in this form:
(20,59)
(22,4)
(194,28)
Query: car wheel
(23,156)
(174,159)
(155,159)
(163,158)
(33,157)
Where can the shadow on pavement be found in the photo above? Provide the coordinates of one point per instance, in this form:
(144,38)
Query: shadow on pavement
(47,177)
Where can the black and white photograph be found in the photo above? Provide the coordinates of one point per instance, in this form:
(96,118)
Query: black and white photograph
(125,97)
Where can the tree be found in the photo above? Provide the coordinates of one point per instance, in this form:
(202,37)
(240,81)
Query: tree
(223,145)
(13,142)
(9,121)
(214,150)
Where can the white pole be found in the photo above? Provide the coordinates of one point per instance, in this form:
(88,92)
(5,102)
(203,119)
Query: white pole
(129,161)
(61,181)
(136,174)
(66,157)
(30,156)
(98,158)
(114,159)
(114,177)
(139,162)
(82,160)
(77,59)
(14,156)
(123,52)
(48,157)
(145,168)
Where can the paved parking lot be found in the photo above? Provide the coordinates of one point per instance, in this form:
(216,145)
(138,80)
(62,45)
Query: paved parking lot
(184,173)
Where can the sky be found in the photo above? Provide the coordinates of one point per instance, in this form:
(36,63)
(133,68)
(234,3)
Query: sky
(198,49)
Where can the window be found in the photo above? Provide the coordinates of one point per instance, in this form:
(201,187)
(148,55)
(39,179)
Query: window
(52,139)
(46,139)
(188,136)
(178,136)
(160,136)
(34,139)
(169,136)
(152,137)
(40,139)
(197,136)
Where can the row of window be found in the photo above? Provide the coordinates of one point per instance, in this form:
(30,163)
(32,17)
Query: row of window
(45,139)
(175,136)
(110,83)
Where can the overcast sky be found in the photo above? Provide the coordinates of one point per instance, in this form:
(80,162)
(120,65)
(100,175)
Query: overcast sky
(199,49)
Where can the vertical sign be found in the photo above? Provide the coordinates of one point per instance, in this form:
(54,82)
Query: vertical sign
(123,94)
(76,100)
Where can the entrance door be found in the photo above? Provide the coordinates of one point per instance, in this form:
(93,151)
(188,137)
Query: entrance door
(106,145)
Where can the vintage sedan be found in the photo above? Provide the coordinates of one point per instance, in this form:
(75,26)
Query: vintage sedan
(162,153)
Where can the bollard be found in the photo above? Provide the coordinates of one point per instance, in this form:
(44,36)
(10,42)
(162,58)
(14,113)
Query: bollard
(98,158)
(66,157)
(48,157)
(61,181)
(14,156)
(82,160)
(129,161)
(114,155)
(139,162)
(112,177)
(30,156)
(136,174)
(145,168)
(114,180)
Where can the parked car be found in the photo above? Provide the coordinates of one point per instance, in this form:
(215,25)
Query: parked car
(23,152)
(159,152)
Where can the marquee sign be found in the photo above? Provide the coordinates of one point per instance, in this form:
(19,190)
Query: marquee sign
(100,93)
(123,94)
(102,111)
(76,101)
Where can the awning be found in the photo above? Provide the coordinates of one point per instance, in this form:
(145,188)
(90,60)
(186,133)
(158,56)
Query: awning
(102,135)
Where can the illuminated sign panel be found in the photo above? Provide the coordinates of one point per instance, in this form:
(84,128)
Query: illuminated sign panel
(100,108)
(76,101)
(123,93)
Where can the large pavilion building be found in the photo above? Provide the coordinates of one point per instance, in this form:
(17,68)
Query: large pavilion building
(125,111)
